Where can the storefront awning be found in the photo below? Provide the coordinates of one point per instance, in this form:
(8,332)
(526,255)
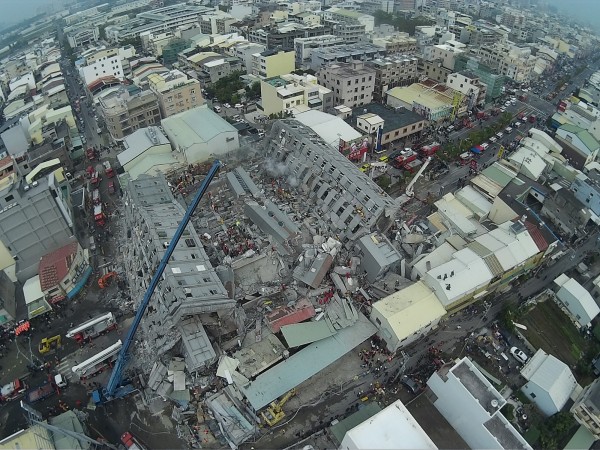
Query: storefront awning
(84,277)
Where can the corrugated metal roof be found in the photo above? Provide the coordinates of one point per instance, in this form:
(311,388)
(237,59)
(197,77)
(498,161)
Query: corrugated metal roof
(537,236)
(480,249)
(287,315)
(299,367)
(494,265)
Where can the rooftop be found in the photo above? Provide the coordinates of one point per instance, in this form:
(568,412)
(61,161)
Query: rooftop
(140,141)
(481,389)
(198,123)
(394,119)
(55,266)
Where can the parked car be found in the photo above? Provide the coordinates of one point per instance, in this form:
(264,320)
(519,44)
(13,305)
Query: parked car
(519,355)
(239,105)
(365,167)
(410,384)
(485,145)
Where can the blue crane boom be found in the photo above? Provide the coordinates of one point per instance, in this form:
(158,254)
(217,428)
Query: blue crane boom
(113,386)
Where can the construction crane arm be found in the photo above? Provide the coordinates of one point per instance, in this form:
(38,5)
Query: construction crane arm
(411,185)
(116,376)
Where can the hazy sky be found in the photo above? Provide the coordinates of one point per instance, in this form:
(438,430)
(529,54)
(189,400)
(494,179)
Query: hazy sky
(587,11)
(16,10)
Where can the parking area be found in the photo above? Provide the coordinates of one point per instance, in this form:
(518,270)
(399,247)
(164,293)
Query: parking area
(550,329)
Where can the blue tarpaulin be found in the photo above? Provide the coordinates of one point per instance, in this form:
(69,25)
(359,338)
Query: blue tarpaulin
(476,150)
(73,292)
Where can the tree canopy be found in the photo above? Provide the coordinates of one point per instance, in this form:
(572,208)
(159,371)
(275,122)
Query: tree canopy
(401,23)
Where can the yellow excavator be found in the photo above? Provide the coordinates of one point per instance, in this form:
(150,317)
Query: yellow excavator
(50,344)
(274,414)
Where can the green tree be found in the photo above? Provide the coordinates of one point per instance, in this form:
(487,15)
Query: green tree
(253,90)
(404,24)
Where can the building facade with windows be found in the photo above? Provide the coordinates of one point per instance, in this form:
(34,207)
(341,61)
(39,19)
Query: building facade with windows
(175,92)
(124,111)
(352,83)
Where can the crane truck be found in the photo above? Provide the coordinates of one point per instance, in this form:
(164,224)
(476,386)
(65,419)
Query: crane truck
(409,193)
(116,386)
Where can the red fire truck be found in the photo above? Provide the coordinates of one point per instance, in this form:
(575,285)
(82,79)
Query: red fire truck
(108,170)
(99,216)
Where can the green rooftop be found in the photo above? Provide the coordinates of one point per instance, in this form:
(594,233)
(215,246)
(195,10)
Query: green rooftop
(585,136)
(276,82)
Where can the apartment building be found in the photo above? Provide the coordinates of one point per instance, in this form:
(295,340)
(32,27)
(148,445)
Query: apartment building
(352,83)
(303,47)
(190,285)
(472,405)
(586,188)
(397,43)
(468,84)
(126,110)
(396,124)
(271,63)
(283,35)
(210,66)
(586,409)
(279,94)
(434,70)
(331,182)
(216,22)
(516,63)
(344,54)
(349,33)
(341,15)
(393,71)
(157,20)
(447,53)
(244,51)
(104,63)
(487,75)
(36,217)
(83,35)
(176,92)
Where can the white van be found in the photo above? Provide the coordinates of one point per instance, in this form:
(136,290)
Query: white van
(217,109)
(60,381)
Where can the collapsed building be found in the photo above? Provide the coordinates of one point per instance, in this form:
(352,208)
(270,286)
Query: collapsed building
(190,286)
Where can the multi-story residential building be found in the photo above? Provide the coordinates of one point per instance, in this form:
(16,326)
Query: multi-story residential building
(393,71)
(344,54)
(586,189)
(586,409)
(216,22)
(486,74)
(190,286)
(303,47)
(433,101)
(468,84)
(210,66)
(434,70)
(283,35)
(82,35)
(579,146)
(155,43)
(351,17)
(36,217)
(307,17)
(271,63)
(511,61)
(126,110)
(352,83)
(330,181)
(472,405)
(64,272)
(396,43)
(447,53)
(104,63)
(404,5)
(397,124)
(281,93)
(349,33)
(157,20)
(244,51)
(175,92)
